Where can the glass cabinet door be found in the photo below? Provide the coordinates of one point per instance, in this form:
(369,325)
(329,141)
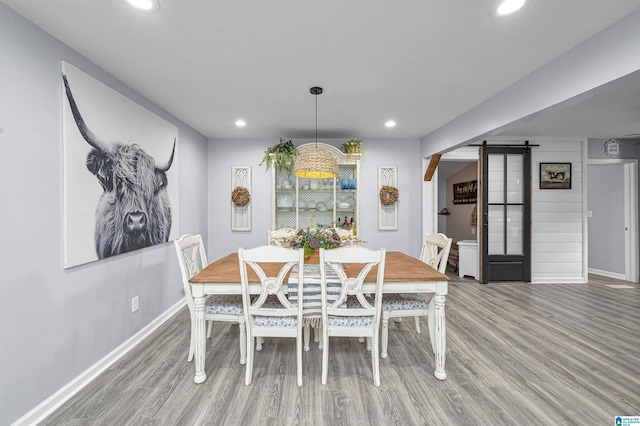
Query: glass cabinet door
(298,202)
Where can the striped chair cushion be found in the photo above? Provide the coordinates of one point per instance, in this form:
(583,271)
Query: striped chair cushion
(311,298)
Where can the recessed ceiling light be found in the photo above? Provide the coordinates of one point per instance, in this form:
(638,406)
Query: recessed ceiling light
(241,123)
(390,123)
(146,5)
(510,6)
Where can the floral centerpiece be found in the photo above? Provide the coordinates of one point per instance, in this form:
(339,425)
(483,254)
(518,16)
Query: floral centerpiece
(318,236)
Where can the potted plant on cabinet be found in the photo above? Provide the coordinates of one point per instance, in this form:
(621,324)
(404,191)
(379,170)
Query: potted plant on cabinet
(281,156)
(353,146)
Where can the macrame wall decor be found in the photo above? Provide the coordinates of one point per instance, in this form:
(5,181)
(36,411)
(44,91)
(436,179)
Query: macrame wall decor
(241,198)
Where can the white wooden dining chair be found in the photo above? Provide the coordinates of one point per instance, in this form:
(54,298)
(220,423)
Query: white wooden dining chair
(271,314)
(192,258)
(352,314)
(435,252)
(280,237)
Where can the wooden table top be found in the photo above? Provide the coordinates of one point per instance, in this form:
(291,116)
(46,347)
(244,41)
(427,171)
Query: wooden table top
(399,267)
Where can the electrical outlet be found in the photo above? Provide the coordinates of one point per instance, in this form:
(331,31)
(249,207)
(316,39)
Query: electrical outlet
(135,304)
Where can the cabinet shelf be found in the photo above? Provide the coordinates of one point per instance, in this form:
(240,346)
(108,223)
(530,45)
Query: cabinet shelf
(329,192)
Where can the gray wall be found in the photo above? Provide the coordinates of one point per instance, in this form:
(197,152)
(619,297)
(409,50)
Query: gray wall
(606,186)
(606,226)
(629,149)
(56,323)
(223,154)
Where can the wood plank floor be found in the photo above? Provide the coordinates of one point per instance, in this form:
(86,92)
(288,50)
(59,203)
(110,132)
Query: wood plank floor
(517,354)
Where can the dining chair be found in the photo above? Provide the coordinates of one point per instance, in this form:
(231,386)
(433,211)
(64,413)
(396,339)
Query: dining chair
(280,237)
(277,237)
(435,252)
(271,313)
(223,307)
(352,314)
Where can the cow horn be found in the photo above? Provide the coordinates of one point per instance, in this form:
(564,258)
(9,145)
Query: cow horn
(84,130)
(166,167)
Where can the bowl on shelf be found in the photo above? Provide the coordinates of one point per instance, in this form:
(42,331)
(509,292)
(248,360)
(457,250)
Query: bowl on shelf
(284,201)
(321,207)
(311,204)
(343,205)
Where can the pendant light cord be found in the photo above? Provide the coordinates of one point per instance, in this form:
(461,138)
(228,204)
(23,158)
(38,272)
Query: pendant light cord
(316,91)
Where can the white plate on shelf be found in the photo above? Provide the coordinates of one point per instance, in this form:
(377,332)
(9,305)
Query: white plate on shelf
(351,201)
(343,205)
(284,201)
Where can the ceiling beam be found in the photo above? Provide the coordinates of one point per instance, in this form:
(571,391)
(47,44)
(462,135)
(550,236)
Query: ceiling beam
(435,159)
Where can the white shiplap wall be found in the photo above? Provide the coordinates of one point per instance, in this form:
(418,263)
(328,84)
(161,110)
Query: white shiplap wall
(558,216)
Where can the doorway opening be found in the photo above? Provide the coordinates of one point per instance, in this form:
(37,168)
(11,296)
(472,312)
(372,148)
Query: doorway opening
(612,218)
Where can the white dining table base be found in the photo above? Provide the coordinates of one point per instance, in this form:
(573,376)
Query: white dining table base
(438,334)
(201,340)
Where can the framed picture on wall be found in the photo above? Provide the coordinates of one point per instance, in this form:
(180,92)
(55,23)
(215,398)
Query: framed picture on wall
(120,172)
(465,192)
(555,175)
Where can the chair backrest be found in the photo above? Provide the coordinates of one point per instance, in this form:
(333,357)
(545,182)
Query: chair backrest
(435,251)
(280,237)
(192,259)
(352,285)
(271,282)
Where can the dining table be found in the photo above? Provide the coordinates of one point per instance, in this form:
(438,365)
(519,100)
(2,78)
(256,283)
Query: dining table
(402,274)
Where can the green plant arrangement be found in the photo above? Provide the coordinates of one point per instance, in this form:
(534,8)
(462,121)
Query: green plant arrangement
(281,156)
(353,146)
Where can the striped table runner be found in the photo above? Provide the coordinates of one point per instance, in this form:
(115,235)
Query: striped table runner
(311,298)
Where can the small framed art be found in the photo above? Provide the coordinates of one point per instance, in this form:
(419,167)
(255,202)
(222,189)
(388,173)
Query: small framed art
(555,175)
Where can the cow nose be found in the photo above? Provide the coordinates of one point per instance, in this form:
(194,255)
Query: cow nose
(135,222)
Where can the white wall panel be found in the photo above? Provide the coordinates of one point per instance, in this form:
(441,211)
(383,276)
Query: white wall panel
(557,215)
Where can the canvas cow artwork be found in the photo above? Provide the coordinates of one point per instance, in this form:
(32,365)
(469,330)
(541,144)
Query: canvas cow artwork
(134,209)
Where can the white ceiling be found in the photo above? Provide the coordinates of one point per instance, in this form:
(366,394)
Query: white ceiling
(421,63)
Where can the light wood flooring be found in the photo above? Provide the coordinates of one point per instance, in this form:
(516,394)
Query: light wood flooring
(517,354)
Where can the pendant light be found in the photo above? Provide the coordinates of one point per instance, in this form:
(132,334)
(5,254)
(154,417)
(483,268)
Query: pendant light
(315,163)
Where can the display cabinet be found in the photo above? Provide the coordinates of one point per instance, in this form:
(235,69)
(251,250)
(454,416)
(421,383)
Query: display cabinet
(297,202)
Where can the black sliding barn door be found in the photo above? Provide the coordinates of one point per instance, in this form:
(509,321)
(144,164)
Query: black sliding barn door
(506,213)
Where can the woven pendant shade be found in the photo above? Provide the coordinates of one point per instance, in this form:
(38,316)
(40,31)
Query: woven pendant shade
(315,163)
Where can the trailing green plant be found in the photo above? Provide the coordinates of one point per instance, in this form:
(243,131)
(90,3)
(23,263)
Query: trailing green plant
(281,156)
(353,146)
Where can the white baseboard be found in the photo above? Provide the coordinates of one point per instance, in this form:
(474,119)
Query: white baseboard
(559,281)
(46,407)
(614,275)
